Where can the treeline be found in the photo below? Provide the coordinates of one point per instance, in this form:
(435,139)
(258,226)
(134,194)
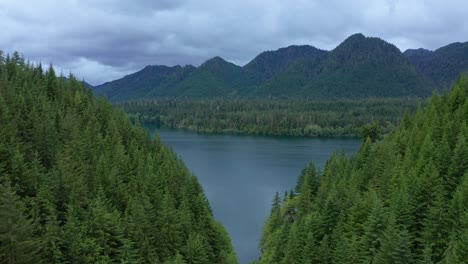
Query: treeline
(272,116)
(80,184)
(400,200)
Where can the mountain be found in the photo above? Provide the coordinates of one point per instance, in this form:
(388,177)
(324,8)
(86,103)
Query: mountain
(79,183)
(212,78)
(443,65)
(269,63)
(138,84)
(225,71)
(403,199)
(359,67)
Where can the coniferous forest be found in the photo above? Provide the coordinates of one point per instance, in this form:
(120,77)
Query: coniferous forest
(234,132)
(359,67)
(273,116)
(79,183)
(400,200)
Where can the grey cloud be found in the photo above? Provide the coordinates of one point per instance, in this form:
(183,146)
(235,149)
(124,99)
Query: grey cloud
(101,40)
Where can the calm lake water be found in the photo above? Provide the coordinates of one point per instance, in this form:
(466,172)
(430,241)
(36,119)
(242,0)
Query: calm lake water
(241,174)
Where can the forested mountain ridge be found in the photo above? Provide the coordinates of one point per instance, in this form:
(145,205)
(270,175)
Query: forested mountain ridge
(400,200)
(79,183)
(442,65)
(139,84)
(359,67)
(214,78)
(269,63)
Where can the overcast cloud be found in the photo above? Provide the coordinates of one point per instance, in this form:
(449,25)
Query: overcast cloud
(102,40)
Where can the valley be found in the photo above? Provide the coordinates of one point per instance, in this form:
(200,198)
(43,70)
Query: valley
(241,174)
(354,155)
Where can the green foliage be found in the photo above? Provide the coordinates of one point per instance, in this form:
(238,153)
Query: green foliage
(17,242)
(360,67)
(371,131)
(292,117)
(402,199)
(81,184)
(442,66)
(270,63)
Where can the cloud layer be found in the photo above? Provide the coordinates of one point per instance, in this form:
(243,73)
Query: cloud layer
(102,40)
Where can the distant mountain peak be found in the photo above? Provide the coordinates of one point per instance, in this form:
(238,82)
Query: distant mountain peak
(157,67)
(289,49)
(214,61)
(359,38)
(269,63)
(217,59)
(356,36)
(363,48)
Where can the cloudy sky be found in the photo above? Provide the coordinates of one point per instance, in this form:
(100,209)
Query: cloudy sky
(102,40)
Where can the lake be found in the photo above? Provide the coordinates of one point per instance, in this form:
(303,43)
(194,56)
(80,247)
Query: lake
(241,174)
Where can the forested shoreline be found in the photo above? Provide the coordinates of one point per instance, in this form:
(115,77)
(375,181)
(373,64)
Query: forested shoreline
(79,183)
(273,116)
(403,199)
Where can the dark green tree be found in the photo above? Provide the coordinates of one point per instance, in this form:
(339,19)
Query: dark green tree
(17,243)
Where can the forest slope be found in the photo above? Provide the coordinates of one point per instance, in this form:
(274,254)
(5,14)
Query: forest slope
(443,65)
(80,184)
(400,200)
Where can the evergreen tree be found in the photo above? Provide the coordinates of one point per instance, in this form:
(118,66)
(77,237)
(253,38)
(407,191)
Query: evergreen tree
(195,250)
(17,243)
(403,199)
(90,186)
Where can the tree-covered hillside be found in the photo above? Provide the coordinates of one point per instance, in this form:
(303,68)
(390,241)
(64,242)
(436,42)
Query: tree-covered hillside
(80,184)
(270,63)
(214,78)
(400,200)
(443,65)
(360,67)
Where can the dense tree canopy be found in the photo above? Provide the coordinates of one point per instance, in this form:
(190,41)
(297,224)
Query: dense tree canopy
(400,200)
(79,183)
(291,117)
(360,67)
(442,65)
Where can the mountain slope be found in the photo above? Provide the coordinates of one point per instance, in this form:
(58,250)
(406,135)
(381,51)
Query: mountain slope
(269,63)
(138,84)
(400,200)
(359,67)
(226,71)
(80,184)
(443,65)
(216,77)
